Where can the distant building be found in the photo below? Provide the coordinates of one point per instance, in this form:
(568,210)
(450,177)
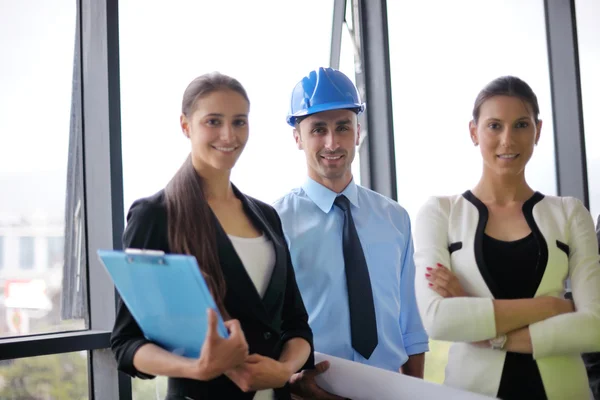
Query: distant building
(32,243)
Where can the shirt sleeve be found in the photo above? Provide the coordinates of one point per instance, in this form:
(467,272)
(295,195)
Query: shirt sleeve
(459,319)
(579,331)
(143,232)
(413,333)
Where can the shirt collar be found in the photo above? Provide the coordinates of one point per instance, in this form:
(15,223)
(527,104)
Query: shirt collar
(324,197)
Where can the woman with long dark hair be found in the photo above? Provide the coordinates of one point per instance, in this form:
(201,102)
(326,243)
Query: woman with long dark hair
(492,264)
(239,245)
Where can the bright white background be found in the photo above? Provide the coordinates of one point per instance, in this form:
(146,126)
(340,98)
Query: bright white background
(442,54)
(588,30)
(268,46)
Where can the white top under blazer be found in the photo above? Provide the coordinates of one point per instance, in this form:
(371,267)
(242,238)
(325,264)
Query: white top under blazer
(258,256)
(449,230)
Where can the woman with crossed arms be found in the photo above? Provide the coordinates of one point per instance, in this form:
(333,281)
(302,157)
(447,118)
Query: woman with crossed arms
(492,264)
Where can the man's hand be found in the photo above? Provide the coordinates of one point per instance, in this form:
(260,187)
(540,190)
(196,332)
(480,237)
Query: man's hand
(414,366)
(303,384)
(483,344)
(444,282)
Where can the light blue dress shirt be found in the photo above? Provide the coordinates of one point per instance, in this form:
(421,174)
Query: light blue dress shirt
(313,230)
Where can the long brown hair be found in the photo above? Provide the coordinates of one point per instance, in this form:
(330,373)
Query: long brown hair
(191,228)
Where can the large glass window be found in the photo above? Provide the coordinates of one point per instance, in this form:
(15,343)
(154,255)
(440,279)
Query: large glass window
(37,43)
(56,245)
(440,61)
(143,389)
(27,252)
(442,54)
(349,58)
(588,33)
(266,52)
(54,377)
(1,252)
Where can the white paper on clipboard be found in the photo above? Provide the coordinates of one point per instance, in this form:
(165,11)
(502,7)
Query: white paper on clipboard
(363,382)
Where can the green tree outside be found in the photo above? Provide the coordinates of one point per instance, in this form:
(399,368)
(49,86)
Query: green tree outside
(54,377)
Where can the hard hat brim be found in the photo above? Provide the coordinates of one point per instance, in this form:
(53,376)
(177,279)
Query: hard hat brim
(358,107)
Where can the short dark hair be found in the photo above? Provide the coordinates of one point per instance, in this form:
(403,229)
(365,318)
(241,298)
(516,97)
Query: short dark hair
(507,86)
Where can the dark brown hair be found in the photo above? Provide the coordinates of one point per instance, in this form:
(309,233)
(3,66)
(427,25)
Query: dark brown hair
(191,225)
(507,86)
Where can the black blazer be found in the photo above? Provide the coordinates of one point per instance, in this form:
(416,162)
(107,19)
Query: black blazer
(592,360)
(267,323)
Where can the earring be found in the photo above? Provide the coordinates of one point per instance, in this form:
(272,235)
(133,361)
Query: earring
(475,144)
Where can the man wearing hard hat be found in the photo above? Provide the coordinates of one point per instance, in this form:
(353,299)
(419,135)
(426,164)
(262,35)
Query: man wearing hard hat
(351,247)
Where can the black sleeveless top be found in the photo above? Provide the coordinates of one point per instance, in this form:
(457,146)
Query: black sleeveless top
(513,266)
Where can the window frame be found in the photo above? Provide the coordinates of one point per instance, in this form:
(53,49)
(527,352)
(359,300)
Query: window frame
(97,57)
(567,109)
(96,100)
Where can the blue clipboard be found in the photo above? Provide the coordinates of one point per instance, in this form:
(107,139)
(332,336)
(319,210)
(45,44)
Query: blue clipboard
(166,295)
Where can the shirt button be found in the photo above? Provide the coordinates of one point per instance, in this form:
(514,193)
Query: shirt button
(267,335)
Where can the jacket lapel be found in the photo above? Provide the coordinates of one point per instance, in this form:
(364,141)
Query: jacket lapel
(241,292)
(498,292)
(242,297)
(478,245)
(276,287)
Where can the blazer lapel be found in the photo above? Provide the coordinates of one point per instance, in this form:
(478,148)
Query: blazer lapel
(498,292)
(540,269)
(241,292)
(276,287)
(246,298)
(478,245)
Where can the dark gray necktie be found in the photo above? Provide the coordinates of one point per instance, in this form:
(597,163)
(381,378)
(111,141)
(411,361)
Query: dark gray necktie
(363,325)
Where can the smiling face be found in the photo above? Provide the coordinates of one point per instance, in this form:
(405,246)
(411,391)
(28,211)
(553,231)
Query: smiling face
(506,131)
(218,129)
(329,141)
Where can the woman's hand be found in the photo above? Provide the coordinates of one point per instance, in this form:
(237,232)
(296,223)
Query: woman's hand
(444,282)
(260,372)
(218,354)
(563,306)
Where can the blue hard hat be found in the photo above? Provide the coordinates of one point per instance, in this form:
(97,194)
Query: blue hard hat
(322,90)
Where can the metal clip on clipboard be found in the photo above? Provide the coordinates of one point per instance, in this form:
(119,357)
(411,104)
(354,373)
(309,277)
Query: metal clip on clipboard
(149,256)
